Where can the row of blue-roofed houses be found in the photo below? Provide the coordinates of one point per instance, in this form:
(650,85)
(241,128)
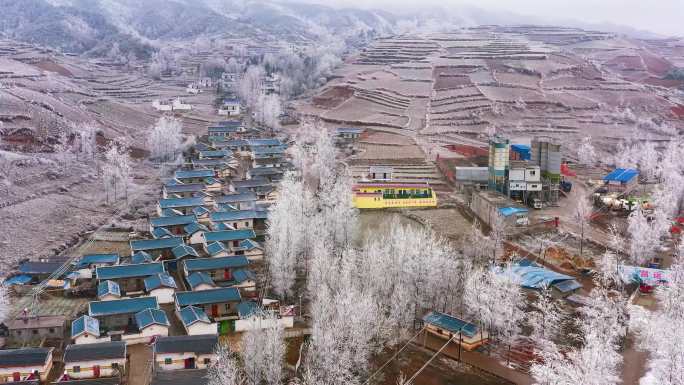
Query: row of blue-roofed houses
(191,278)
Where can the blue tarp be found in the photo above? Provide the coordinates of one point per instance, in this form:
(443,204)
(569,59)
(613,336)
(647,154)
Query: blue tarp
(622,175)
(20,279)
(508,211)
(533,276)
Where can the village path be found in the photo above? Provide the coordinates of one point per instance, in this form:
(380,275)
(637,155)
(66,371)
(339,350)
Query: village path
(139,364)
(478,360)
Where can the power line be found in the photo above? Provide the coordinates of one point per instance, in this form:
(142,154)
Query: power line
(410,380)
(394,356)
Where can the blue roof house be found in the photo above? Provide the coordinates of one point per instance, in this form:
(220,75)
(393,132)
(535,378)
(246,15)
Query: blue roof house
(152,322)
(220,269)
(218,304)
(196,322)
(120,314)
(91,261)
(85,329)
(184,205)
(162,286)
(129,277)
(108,291)
(157,248)
(230,238)
(194,176)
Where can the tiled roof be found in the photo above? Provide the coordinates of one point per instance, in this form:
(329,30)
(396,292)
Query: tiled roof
(129,271)
(93,352)
(159,280)
(121,306)
(85,324)
(200,344)
(242,275)
(161,233)
(233,198)
(190,315)
(184,187)
(184,251)
(171,203)
(205,297)
(247,308)
(228,235)
(108,287)
(188,174)
(203,264)
(198,278)
(90,259)
(39,267)
(150,317)
(194,227)
(215,248)
(176,220)
(141,257)
(11,358)
(220,216)
(155,244)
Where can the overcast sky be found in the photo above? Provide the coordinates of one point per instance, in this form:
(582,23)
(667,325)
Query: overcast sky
(660,16)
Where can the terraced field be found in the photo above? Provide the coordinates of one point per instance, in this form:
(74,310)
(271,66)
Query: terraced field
(523,80)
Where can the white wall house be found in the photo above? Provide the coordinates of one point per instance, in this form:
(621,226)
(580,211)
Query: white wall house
(159,106)
(196,322)
(31,363)
(185,352)
(178,105)
(107,359)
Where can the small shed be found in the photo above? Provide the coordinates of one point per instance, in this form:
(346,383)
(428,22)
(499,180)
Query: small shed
(447,326)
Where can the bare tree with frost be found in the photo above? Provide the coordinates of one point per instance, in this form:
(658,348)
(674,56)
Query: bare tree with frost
(165,140)
(659,331)
(644,237)
(586,153)
(250,85)
(226,370)
(581,216)
(263,352)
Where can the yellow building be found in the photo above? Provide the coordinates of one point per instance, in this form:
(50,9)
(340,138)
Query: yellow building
(373,195)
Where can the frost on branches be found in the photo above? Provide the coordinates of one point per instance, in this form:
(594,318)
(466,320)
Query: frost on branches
(660,332)
(165,141)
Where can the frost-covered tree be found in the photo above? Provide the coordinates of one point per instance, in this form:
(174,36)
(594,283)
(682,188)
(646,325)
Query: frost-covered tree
(546,317)
(581,216)
(263,352)
(267,110)
(287,224)
(226,370)
(666,355)
(165,140)
(249,88)
(86,136)
(116,171)
(586,153)
(644,237)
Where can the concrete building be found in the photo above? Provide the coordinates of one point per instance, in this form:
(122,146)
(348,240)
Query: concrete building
(490,205)
(25,329)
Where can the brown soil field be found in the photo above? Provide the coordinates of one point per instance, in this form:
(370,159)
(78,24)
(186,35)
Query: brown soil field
(333,97)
